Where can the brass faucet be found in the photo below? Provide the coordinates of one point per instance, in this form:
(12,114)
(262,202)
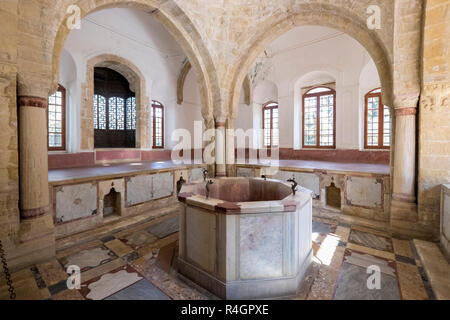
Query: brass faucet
(294,185)
(205,173)
(210,182)
(180,184)
(264,177)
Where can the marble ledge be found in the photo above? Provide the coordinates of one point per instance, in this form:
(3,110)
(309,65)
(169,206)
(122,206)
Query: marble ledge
(113,171)
(328,167)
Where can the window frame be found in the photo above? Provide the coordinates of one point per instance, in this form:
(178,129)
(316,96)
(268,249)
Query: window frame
(154,106)
(318,95)
(63,121)
(381,107)
(266,107)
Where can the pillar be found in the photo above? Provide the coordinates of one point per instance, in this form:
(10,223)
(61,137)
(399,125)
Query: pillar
(403,205)
(36,235)
(220,147)
(230,147)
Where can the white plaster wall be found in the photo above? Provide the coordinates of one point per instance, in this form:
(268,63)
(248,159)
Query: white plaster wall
(312,55)
(137,37)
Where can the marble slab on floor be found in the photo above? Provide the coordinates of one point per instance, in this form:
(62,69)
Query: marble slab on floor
(352,285)
(141,290)
(164,228)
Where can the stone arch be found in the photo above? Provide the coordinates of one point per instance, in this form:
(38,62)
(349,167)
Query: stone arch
(181,79)
(247,87)
(137,85)
(313,14)
(173,18)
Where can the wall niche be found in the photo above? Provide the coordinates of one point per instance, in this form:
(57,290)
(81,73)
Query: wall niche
(112,204)
(333,196)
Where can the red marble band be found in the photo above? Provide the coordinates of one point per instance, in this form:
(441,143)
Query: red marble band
(34,102)
(220,125)
(403,197)
(33,213)
(406,112)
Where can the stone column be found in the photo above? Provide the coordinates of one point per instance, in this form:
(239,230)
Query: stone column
(34,199)
(209,127)
(220,144)
(404,176)
(36,222)
(230,147)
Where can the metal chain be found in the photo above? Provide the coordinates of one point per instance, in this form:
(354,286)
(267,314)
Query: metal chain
(12,294)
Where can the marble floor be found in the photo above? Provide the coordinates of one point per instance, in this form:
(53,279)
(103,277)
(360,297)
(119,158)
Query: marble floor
(140,263)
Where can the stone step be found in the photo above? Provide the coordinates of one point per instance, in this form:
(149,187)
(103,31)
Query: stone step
(114,227)
(436,267)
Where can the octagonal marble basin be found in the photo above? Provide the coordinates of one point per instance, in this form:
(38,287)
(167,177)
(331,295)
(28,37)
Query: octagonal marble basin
(251,239)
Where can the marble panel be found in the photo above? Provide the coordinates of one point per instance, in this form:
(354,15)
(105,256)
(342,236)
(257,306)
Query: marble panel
(75,202)
(245,172)
(162,185)
(365,192)
(139,189)
(306,180)
(261,246)
(284,175)
(141,290)
(138,238)
(371,240)
(309,181)
(324,228)
(118,247)
(110,283)
(201,238)
(196,174)
(352,285)
(165,227)
(89,258)
(365,260)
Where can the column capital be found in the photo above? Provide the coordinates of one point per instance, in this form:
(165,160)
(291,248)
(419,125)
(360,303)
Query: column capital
(406,99)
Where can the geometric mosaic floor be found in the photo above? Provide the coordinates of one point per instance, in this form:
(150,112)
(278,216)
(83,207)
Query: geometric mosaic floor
(140,264)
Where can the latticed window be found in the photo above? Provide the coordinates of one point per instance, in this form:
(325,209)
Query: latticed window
(319,118)
(270,125)
(131,113)
(377,122)
(114,115)
(99,112)
(56,120)
(158,125)
(114,111)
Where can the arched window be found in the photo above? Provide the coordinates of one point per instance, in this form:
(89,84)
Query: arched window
(56,119)
(270,125)
(158,125)
(114,110)
(319,118)
(377,127)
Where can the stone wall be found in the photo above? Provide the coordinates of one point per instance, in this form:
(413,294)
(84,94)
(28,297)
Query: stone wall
(434,113)
(9,175)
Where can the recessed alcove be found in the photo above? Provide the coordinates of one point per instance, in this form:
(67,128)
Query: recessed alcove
(333,196)
(112,204)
